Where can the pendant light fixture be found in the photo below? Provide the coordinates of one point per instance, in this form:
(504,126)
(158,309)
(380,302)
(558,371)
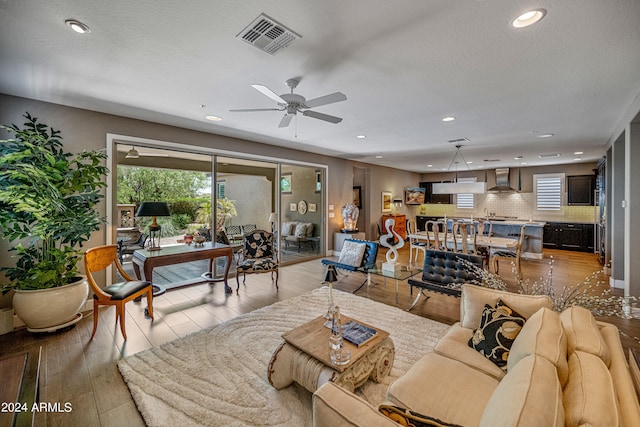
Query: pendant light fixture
(459,187)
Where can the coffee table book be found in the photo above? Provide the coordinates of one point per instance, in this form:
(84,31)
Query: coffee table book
(313,339)
(357,333)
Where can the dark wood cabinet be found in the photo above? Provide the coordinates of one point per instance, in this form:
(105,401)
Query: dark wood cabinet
(421,221)
(581,190)
(429,197)
(568,236)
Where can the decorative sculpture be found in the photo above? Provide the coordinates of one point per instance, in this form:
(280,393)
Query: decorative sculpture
(350,213)
(392,253)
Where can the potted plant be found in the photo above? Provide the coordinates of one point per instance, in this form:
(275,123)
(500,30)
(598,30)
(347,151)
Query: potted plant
(47,209)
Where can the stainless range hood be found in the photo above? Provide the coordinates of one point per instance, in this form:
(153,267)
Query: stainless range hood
(502,182)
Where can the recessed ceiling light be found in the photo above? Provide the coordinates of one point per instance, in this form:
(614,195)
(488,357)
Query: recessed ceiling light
(429,166)
(213,118)
(517,158)
(469,162)
(577,158)
(524,163)
(361,136)
(544,135)
(529,18)
(378,157)
(577,153)
(448,119)
(77,26)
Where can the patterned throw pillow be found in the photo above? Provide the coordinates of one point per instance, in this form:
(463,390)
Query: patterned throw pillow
(288,228)
(301,229)
(499,327)
(352,253)
(405,417)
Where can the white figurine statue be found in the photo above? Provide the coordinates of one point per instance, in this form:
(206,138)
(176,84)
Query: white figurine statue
(392,253)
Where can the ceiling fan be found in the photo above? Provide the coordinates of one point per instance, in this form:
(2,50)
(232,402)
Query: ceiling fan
(292,104)
(134,154)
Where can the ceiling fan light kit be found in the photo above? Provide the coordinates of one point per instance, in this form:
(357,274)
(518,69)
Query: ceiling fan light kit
(292,104)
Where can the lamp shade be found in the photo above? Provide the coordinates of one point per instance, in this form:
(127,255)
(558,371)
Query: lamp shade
(153,209)
(459,188)
(273,217)
(331,275)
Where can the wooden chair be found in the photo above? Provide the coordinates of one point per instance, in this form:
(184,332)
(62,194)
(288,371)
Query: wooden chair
(511,255)
(118,294)
(464,237)
(258,256)
(438,233)
(414,243)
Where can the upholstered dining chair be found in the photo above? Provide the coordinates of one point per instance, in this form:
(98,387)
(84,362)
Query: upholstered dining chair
(234,232)
(258,256)
(510,255)
(118,294)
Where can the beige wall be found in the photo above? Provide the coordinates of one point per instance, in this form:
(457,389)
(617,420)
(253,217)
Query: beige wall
(83,129)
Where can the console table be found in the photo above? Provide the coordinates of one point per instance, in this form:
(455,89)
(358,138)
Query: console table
(144,261)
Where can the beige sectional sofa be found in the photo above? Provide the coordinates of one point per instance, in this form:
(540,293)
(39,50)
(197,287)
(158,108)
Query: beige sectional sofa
(562,369)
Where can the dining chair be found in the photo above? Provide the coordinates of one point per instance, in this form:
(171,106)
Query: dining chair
(437,232)
(464,237)
(118,294)
(258,256)
(414,242)
(514,255)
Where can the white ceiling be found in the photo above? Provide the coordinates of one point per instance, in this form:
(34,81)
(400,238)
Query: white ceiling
(402,65)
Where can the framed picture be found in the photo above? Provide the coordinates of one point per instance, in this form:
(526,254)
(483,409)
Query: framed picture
(318,181)
(293,207)
(357,196)
(386,201)
(312,207)
(285,183)
(414,196)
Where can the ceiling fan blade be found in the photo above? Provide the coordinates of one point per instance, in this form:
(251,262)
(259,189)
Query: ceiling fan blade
(255,109)
(285,121)
(268,92)
(327,99)
(320,116)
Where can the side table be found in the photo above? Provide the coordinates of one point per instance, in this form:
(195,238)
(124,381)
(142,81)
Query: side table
(303,357)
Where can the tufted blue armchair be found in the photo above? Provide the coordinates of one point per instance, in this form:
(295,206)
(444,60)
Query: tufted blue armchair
(259,256)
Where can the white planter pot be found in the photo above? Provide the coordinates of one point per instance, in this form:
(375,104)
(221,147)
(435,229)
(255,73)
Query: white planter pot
(53,308)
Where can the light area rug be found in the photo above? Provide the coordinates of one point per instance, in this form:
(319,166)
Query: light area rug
(218,376)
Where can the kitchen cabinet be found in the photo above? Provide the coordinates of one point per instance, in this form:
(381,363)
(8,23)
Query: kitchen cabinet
(580,190)
(568,236)
(429,197)
(421,221)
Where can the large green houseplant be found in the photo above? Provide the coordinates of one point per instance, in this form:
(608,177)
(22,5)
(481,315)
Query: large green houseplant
(48,203)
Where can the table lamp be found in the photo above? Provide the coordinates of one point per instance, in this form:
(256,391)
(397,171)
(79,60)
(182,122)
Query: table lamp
(154,209)
(273,219)
(330,277)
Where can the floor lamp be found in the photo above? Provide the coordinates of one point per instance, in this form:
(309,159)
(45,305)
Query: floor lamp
(154,209)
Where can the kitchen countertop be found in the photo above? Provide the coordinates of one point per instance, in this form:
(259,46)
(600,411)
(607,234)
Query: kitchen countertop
(510,221)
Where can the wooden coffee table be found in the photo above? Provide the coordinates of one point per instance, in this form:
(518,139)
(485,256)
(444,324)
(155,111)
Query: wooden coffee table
(303,357)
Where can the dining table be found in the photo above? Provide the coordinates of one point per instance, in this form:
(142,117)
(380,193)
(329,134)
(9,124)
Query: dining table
(490,242)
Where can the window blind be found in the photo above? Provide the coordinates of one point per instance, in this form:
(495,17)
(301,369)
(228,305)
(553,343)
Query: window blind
(464,200)
(548,188)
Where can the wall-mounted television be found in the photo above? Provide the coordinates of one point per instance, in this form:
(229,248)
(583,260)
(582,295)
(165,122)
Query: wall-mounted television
(414,196)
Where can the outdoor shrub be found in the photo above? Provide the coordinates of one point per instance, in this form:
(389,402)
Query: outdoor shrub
(185,207)
(180,221)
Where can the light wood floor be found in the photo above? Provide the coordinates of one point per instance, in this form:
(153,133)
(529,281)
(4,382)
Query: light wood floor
(83,372)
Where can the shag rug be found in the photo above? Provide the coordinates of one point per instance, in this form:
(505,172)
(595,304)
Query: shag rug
(218,376)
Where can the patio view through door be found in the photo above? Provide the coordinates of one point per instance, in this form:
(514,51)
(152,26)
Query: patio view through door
(207,193)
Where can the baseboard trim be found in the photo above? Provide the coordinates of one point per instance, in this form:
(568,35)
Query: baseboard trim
(616,283)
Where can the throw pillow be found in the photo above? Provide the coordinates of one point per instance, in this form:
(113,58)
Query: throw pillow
(499,327)
(301,229)
(287,228)
(352,253)
(405,417)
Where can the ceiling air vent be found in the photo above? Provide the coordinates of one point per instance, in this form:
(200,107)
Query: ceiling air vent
(267,35)
(549,155)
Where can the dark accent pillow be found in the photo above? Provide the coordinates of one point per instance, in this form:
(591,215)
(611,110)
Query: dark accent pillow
(405,417)
(499,327)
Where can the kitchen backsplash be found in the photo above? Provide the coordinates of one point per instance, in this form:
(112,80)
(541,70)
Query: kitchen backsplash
(518,205)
